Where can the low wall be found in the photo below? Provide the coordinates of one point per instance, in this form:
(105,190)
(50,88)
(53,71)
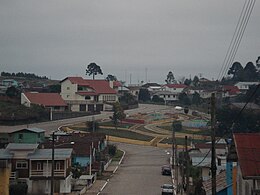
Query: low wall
(58,115)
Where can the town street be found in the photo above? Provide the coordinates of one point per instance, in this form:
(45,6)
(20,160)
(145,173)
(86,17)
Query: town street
(140,171)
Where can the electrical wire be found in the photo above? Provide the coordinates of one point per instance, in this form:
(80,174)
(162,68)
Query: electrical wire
(233,123)
(237,37)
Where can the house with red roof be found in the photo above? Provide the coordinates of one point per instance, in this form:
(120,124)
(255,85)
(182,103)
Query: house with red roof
(47,100)
(246,152)
(230,91)
(87,95)
(175,88)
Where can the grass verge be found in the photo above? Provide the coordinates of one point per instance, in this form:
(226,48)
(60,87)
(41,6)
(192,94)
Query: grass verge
(118,155)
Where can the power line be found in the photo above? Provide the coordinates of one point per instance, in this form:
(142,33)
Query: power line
(234,121)
(237,37)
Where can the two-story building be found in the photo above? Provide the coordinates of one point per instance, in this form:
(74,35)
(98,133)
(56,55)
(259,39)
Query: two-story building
(87,95)
(26,163)
(25,135)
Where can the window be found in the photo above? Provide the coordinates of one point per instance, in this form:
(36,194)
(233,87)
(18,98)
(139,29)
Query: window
(87,97)
(20,137)
(219,162)
(169,96)
(68,88)
(21,165)
(68,96)
(39,166)
(57,166)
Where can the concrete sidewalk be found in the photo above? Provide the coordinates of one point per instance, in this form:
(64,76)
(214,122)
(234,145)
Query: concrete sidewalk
(100,184)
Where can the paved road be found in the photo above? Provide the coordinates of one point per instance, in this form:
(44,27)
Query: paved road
(54,125)
(140,172)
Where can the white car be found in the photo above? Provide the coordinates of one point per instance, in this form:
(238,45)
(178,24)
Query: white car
(178,108)
(168,189)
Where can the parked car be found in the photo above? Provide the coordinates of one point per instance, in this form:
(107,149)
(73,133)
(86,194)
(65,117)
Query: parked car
(168,189)
(166,170)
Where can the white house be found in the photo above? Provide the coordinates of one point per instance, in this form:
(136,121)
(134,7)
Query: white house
(175,88)
(244,86)
(87,95)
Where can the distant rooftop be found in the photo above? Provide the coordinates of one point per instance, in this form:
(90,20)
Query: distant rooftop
(34,129)
(21,146)
(47,154)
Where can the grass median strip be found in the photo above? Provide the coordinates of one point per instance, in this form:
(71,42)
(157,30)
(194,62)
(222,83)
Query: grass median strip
(119,133)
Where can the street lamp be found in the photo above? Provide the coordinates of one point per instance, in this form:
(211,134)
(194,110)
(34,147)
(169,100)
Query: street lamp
(52,159)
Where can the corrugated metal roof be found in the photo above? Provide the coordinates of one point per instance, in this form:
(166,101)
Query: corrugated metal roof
(248,152)
(34,129)
(47,154)
(21,146)
(4,154)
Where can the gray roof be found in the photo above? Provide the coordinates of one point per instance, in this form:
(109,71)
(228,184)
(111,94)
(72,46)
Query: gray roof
(4,154)
(34,129)
(45,154)
(21,146)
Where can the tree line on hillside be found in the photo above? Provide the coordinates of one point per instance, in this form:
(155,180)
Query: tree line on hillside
(248,73)
(23,75)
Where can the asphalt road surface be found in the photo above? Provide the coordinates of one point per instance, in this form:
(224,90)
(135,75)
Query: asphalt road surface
(51,126)
(140,172)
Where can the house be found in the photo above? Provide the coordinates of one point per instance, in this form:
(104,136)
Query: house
(87,95)
(28,164)
(25,135)
(83,143)
(175,88)
(244,86)
(247,148)
(10,82)
(53,101)
(167,96)
(222,186)
(134,90)
(203,160)
(230,91)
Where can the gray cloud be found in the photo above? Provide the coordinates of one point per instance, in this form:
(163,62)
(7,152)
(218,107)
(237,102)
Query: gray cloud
(59,38)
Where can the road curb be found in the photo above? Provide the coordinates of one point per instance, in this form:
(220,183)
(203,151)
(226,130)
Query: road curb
(120,162)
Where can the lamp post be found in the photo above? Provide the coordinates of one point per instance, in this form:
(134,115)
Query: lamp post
(52,159)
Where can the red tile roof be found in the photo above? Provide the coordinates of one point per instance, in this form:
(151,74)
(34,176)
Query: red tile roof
(248,152)
(99,86)
(45,99)
(176,85)
(233,90)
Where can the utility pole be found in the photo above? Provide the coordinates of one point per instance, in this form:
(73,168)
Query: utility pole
(213,143)
(173,142)
(187,165)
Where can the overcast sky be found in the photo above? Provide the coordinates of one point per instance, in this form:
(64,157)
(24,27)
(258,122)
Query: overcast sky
(59,38)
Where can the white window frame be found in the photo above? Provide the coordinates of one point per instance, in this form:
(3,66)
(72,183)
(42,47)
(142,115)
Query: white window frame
(57,166)
(21,165)
(39,166)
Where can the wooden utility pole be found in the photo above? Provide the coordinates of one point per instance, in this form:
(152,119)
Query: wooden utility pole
(173,143)
(187,165)
(213,143)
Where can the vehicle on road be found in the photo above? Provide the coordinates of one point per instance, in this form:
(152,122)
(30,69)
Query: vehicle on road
(166,170)
(168,189)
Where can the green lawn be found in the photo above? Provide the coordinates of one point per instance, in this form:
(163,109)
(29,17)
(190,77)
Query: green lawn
(119,133)
(118,155)
(200,132)
(181,141)
(110,124)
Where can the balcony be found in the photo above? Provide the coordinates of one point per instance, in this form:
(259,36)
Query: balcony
(41,173)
